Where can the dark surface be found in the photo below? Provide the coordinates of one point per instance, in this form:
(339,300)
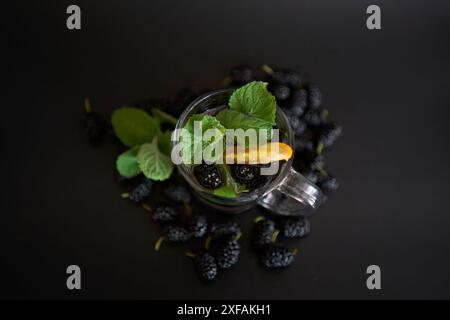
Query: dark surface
(389,89)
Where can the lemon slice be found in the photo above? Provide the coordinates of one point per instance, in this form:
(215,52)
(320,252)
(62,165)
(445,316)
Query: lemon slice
(270,152)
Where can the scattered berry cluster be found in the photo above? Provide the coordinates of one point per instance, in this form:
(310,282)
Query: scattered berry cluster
(266,234)
(219,243)
(302,103)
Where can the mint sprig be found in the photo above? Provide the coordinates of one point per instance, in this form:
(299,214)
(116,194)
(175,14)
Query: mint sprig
(127,164)
(133,126)
(150,147)
(255,100)
(154,164)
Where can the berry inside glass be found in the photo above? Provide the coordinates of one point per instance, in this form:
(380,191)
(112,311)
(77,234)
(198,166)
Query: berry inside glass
(238,186)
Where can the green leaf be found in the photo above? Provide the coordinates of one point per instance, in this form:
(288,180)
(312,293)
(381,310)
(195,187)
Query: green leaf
(237,120)
(226,192)
(165,142)
(196,143)
(133,126)
(253,99)
(231,188)
(163,117)
(127,163)
(154,164)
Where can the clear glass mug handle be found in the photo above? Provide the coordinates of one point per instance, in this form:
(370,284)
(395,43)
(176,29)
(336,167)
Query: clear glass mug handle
(295,196)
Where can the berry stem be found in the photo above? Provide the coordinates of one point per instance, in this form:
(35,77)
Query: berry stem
(190,254)
(267,69)
(158,243)
(125,195)
(275,235)
(147,207)
(87,105)
(207,242)
(295,251)
(259,218)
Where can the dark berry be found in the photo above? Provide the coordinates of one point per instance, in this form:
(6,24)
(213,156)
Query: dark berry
(314,117)
(298,102)
(242,75)
(177,234)
(281,92)
(286,77)
(312,175)
(295,227)
(244,173)
(276,256)
(328,183)
(259,182)
(228,254)
(94,126)
(206,266)
(142,191)
(263,234)
(302,144)
(165,214)
(178,194)
(208,175)
(314,96)
(298,126)
(198,226)
(329,133)
(229,229)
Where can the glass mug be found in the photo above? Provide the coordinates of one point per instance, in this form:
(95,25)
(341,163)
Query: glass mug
(288,193)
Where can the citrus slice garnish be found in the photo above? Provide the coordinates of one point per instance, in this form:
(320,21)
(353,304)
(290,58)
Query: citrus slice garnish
(270,152)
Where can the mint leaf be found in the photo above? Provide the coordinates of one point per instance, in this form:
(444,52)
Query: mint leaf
(165,142)
(127,163)
(236,120)
(225,191)
(253,99)
(196,143)
(133,126)
(154,164)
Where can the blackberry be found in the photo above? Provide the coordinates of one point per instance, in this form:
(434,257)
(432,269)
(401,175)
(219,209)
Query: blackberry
(259,182)
(165,214)
(314,96)
(206,266)
(94,126)
(329,133)
(242,75)
(286,77)
(328,183)
(178,194)
(198,226)
(295,227)
(209,176)
(314,117)
(142,191)
(298,126)
(228,254)
(263,234)
(312,175)
(230,229)
(177,234)
(281,92)
(244,173)
(302,145)
(276,256)
(298,102)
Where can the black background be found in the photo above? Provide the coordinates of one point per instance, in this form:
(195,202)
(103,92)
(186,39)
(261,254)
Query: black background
(389,88)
